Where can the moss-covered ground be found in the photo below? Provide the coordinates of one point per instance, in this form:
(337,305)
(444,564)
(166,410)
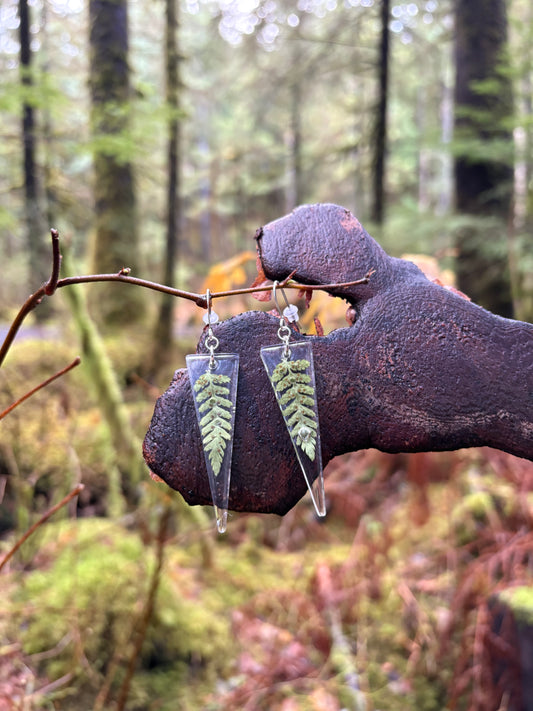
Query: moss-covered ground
(383,605)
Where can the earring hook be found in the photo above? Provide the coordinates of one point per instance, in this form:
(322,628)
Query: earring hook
(210,317)
(275,297)
(290,312)
(211,342)
(208,299)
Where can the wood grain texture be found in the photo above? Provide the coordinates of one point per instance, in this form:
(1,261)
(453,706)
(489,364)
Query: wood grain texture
(421,369)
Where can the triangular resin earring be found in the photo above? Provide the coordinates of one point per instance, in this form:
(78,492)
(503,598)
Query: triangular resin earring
(213,380)
(292,375)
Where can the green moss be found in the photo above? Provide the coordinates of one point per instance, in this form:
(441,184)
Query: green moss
(85,604)
(90,587)
(471,513)
(520,600)
(33,359)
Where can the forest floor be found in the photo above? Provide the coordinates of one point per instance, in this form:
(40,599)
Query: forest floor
(387,604)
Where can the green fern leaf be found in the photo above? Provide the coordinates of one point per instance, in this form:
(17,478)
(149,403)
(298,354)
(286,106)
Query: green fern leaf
(297,399)
(215,425)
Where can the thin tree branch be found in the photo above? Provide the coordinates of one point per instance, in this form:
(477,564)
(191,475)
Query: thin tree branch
(200,299)
(75,362)
(146,614)
(289,284)
(51,285)
(28,306)
(123,276)
(40,522)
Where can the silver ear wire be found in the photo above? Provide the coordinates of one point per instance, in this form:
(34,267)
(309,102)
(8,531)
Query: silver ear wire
(211,342)
(275,297)
(290,312)
(208,299)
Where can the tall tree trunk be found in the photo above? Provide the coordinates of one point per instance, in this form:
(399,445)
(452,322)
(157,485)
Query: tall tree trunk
(484,168)
(39,256)
(380,130)
(296,189)
(293,176)
(50,196)
(294,183)
(116,241)
(163,331)
(521,275)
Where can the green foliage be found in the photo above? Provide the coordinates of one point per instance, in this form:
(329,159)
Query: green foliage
(86,600)
(338,620)
(215,425)
(520,600)
(84,582)
(297,400)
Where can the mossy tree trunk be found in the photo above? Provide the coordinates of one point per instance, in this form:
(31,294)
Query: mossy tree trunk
(484,151)
(116,238)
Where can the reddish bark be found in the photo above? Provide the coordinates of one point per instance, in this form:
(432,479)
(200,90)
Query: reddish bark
(421,369)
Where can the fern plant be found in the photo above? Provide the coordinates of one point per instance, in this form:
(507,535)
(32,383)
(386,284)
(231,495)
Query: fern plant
(215,425)
(297,398)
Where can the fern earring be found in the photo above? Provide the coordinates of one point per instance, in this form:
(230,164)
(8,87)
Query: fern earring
(291,372)
(213,379)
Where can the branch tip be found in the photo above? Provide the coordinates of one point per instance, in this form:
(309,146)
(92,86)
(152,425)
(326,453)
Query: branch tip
(43,384)
(79,488)
(51,285)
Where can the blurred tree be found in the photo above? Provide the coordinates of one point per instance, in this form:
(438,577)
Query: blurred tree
(36,237)
(484,151)
(294,187)
(163,330)
(116,233)
(47,70)
(380,127)
(521,244)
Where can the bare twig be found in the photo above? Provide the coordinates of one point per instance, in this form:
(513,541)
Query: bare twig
(200,299)
(138,632)
(147,611)
(123,276)
(287,284)
(39,694)
(40,522)
(75,362)
(51,285)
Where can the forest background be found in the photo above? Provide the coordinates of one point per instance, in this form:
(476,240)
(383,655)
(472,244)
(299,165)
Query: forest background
(159,136)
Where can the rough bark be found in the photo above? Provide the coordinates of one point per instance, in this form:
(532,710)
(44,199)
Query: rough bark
(484,166)
(116,236)
(420,369)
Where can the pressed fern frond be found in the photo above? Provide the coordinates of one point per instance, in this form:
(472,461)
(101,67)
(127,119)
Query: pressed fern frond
(215,425)
(297,398)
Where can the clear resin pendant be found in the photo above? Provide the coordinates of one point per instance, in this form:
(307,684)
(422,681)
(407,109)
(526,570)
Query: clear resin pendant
(292,374)
(214,386)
